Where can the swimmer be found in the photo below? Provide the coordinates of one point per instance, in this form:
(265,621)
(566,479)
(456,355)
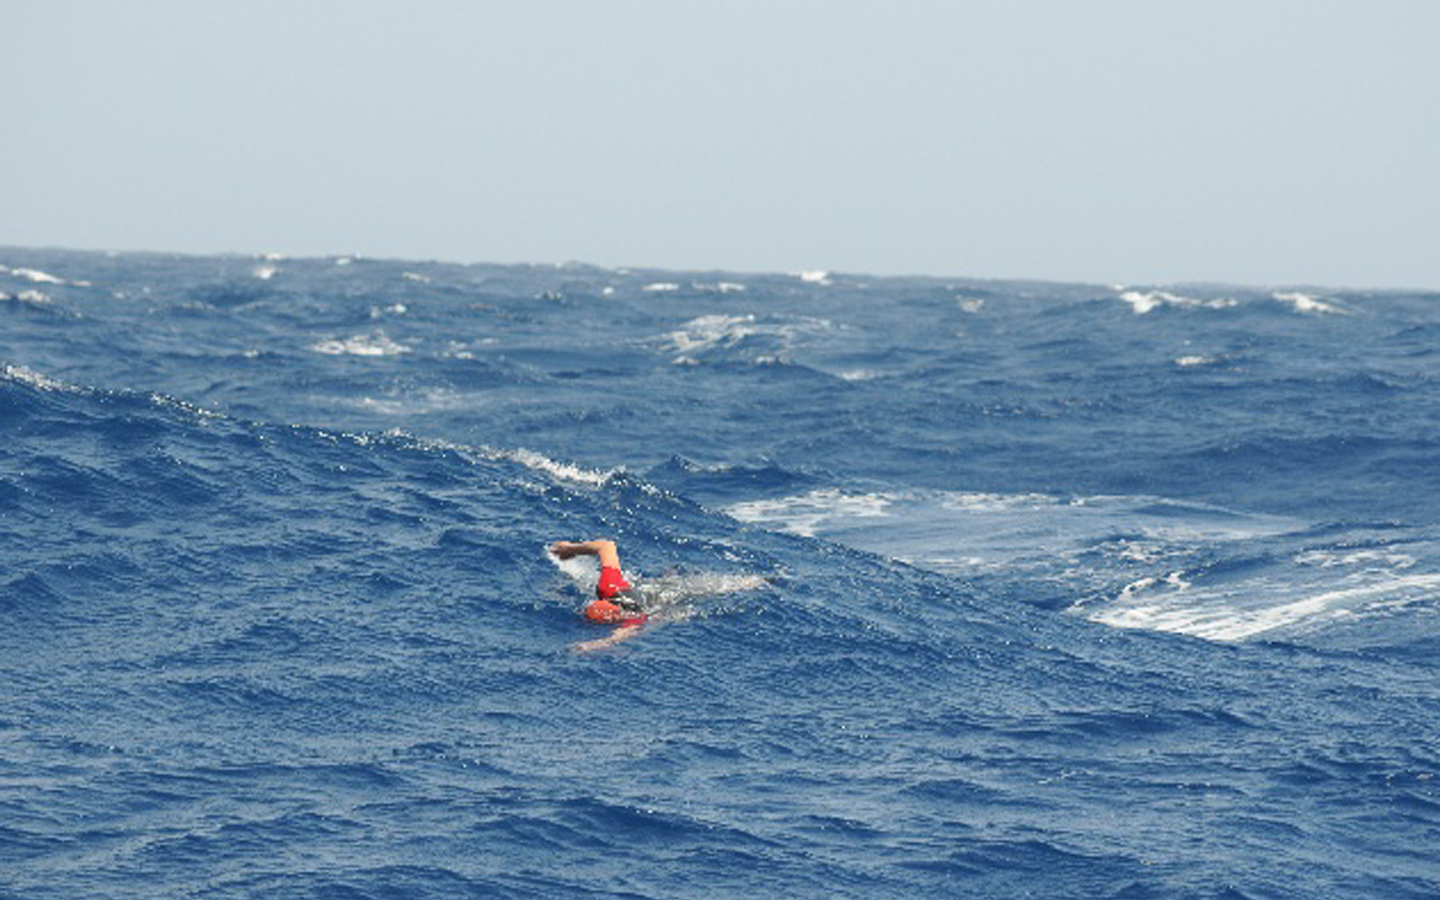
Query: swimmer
(613,603)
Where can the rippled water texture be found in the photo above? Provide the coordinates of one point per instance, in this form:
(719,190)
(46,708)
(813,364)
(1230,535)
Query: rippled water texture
(958,588)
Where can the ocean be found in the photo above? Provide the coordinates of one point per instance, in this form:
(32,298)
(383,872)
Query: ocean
(959,588)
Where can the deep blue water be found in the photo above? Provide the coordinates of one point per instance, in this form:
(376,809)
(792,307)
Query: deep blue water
(964,588)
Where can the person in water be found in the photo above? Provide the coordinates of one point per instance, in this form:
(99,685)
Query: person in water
(614,603)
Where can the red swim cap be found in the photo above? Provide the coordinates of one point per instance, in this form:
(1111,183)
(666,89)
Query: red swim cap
(607,613)
(604,612)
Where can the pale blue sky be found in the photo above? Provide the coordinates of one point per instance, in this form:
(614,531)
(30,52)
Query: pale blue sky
(1262,142)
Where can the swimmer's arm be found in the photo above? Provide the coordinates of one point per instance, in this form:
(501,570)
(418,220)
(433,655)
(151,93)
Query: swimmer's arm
(609,556)
(624,632)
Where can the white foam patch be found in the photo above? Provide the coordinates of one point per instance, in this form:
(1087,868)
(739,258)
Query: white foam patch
(1311,305)
(32,275)
(1256,610)
(1192,361)
(35,379)
(1160,552)
(816,276)
(1368,558)
(719,331)
(415,276)
(583,570)
(971,305)
(265,273)
(29,297)
(975,501)
(1143,302)
(1174,579)
(806,514)
(1026,529)
(377,344)
(671,597)
(705,332)
(707,287)
(457,350)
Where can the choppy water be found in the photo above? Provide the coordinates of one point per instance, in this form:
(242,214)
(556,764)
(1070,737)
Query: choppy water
(966,588)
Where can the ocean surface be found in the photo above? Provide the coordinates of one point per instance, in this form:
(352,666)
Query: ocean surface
(960,588)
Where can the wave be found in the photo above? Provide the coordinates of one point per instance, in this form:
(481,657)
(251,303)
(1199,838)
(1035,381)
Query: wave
(1136,562)
(336,643)
(1146,301)
(1308,303)
(719,336)
(1261,608)
(37,277)
(1143,302)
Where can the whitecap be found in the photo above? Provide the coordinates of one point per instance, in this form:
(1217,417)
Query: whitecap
(525,457)
(661,287)
(394,309)
(542,463)
(265,273)
(29,298)
(719,331)
(1311,305)
(34,379)
(1143,302)
(704,332)
(1235,616)
(1175,580)
(817,276)
(1188,361)
(718,287)
(34,275)
(377,344)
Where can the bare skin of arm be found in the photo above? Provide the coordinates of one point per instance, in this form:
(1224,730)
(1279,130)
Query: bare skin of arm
(609,556)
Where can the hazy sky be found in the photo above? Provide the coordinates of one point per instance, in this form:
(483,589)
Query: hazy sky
(1254,141)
